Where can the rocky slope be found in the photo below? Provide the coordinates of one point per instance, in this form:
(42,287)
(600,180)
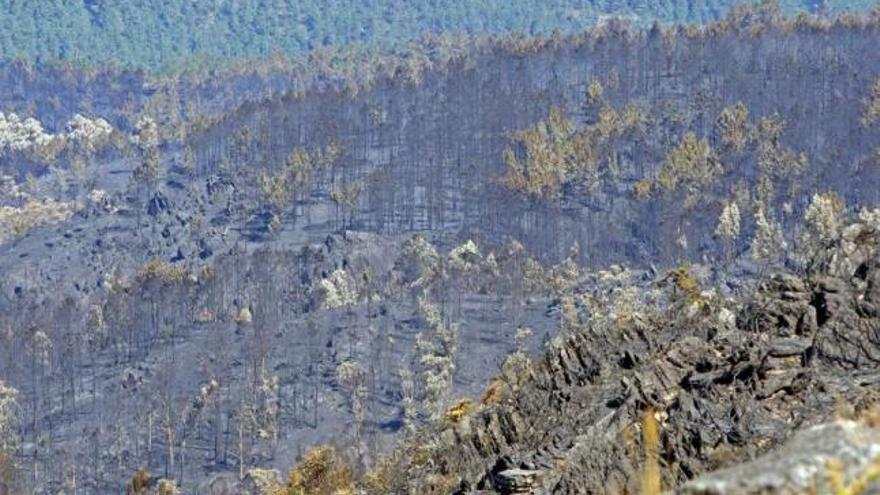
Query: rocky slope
(800,351)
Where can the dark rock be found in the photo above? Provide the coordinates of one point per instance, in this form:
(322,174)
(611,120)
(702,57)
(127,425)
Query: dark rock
(180,256)
(159,203)
(808,323)
(826,304)
(788,347)
(791,382)
(205,250)
(329,243)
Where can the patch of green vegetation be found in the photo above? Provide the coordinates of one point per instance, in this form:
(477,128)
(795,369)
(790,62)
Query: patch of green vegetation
(175,33)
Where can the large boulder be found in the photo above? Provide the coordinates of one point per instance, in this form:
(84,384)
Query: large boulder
(838,457)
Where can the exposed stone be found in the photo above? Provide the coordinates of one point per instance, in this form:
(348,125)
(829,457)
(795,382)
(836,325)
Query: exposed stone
(805,464)
(516,481)
(723,393)
(789,347)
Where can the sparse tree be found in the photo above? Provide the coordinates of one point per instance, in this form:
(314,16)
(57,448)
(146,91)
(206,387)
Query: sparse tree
(549,154)
(321,471)
(337,290)
(437,349)
(167,487)
(189,161)
(692,165)
(351,376)
(728,229)
(408,404)
(563,277)
(247,423)
(595,92)
(147,141)
(275,190)
(8,434)
(267,397)
(733,128)
(517,368)
(419,264)
(821,226)
(871,110)
(346,198)
(141,483)
(777,163)
(768,245)
(823,216)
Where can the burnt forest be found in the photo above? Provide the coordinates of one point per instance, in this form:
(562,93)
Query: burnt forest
(357,247)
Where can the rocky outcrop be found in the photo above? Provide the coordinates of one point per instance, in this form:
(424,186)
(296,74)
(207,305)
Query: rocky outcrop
(512,481)
(722,391)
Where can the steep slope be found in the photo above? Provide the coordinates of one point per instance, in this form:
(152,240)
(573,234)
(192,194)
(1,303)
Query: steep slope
(723,389)
(433,153)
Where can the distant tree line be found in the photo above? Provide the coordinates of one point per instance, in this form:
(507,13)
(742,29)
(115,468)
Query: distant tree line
(182,32)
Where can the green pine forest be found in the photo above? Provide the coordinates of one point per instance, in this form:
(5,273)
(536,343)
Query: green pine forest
(170,34)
